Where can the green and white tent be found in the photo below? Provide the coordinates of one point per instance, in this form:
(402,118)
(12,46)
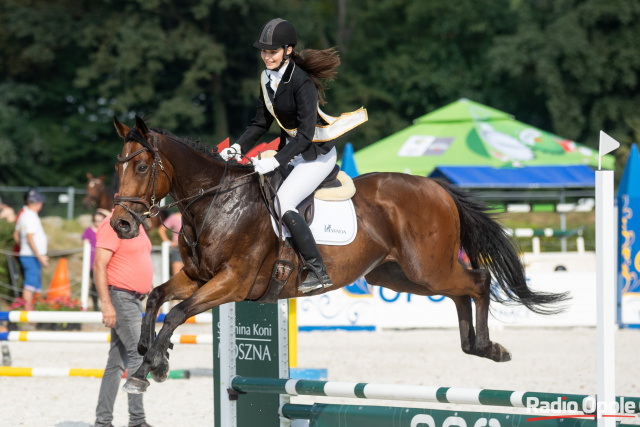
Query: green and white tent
(466,133)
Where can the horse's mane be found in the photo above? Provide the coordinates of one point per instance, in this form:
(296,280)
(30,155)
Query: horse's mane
(196,145)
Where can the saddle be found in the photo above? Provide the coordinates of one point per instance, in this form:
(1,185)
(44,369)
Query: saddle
(336,186)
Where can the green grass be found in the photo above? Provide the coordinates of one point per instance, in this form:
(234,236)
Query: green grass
(538,220)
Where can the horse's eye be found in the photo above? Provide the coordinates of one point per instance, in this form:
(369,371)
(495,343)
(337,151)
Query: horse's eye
(142,168)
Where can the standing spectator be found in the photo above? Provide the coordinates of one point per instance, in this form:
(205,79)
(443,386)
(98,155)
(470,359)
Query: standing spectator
(123,273)
(89,235)
(174,223)
(16,234)
(33,247)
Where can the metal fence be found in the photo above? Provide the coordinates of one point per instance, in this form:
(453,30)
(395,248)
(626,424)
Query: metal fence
(65,202)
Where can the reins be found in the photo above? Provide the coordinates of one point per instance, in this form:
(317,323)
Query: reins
(153,209)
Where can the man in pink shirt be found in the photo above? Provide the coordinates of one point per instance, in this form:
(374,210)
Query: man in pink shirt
(123,273)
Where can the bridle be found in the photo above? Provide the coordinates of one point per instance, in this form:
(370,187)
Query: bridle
(152,208)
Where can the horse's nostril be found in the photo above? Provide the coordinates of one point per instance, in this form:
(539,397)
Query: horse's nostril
(123,225)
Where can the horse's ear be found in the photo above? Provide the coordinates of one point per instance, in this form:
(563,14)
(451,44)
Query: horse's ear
(89,176)
(122,129)
(102,178)
(142,127)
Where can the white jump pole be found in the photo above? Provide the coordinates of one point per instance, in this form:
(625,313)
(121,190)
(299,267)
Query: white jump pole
(605,288)
(228,354)
(86,269)
(166,269)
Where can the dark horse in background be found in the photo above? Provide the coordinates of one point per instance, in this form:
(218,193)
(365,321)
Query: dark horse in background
(98,194)
(410,230)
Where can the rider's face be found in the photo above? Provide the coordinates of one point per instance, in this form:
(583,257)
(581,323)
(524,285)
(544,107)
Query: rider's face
(273,58)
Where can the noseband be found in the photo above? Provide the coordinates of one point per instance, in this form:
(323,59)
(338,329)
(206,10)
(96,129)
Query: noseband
(152,208)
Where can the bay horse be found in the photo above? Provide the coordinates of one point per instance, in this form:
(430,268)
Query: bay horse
(97,194)
(410,229)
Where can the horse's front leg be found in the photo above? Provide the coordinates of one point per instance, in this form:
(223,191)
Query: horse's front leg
(179,287)
(221,289)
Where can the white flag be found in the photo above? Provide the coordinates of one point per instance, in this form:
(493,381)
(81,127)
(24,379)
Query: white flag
(607,145)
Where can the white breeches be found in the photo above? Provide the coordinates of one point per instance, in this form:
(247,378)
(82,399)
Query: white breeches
(304,179)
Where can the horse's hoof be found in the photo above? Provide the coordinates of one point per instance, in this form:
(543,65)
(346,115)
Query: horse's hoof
(499,353)
(161,373)
(135,385)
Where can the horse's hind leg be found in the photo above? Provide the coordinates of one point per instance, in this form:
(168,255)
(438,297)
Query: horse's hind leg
(484,347)
(180,287)
(465,323)
(477,342)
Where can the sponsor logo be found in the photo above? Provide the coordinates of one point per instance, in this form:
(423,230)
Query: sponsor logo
(558,408)
(329,229)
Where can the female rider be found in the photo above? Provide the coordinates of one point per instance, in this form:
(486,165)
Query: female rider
(292,87)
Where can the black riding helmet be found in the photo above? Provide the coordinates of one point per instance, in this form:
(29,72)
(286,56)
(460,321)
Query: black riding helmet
(276,34)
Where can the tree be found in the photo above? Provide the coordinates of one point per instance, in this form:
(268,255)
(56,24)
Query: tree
(68,66)
(406,58)
(581,59)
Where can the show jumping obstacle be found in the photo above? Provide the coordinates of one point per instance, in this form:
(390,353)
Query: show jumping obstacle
(251,340)
(6,371)
(77,317)
(89,337)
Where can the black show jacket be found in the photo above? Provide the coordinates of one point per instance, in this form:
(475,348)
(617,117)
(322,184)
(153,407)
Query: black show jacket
(295,103)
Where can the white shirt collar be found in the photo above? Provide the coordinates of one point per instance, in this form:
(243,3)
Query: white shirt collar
(276,75)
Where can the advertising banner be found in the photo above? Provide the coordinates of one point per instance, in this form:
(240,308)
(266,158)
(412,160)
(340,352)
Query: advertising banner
(361,306)
(628,249)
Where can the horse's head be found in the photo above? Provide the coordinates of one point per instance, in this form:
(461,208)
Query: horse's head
(95,186)
(144,181)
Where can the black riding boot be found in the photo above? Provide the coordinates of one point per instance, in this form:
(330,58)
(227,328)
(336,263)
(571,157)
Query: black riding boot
(317,277)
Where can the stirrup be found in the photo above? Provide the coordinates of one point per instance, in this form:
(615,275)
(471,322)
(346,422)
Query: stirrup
(315,281)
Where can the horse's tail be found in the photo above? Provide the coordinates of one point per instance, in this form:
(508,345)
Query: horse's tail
(487,245)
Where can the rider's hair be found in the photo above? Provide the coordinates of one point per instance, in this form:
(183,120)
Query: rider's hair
(321,66)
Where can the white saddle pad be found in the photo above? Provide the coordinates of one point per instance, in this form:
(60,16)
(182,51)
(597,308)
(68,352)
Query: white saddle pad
(334,223)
